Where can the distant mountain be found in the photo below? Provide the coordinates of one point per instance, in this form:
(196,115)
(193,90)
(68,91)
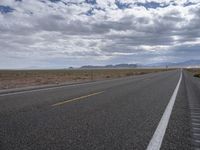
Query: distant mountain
(110,66)
(189,63)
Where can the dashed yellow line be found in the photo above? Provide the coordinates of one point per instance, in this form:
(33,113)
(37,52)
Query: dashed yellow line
(75,99)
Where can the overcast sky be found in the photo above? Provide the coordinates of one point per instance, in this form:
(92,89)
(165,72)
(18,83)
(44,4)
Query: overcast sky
(63,33)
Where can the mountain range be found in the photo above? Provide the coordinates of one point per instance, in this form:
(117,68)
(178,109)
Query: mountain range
(189,63)
(110,66)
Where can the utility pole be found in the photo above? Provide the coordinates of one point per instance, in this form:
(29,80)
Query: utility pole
(91,74)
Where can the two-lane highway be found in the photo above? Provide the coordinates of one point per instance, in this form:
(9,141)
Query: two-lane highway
(113,114)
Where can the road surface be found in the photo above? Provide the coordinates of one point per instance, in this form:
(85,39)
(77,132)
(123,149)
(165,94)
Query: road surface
(120,114)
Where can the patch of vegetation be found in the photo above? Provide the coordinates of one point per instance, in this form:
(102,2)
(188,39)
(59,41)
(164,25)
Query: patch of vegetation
(195,71)
(197,75)
(23,78)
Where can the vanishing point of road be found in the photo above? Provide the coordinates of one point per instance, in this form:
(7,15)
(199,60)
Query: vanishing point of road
(147,112)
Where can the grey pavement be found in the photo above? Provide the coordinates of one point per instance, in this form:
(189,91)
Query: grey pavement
(118,114)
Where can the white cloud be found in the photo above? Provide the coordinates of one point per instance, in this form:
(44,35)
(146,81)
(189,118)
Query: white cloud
(71,32)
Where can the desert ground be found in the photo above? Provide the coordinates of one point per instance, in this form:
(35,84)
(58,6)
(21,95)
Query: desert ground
(23,78)
(195,72)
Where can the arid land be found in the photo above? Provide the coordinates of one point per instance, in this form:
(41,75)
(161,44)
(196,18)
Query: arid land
(24,78)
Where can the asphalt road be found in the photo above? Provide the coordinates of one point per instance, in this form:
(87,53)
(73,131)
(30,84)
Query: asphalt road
(118,114)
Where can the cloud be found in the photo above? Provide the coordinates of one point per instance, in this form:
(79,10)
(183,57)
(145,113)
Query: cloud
(62,33)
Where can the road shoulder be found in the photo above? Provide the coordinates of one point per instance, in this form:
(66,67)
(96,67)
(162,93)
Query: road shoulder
(178,133)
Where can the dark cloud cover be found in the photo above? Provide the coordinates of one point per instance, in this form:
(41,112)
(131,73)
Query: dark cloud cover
(62,33)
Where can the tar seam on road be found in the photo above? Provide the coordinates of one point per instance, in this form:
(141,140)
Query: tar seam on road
(44,89)
(157,138)
(56,87)
(75,99)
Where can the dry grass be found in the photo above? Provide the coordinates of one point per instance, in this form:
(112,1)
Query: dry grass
(195,71)
(23,78)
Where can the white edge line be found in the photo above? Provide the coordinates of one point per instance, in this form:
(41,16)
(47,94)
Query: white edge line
(156,141)
(42,89)
(58,87)
(76,84)
(63,86)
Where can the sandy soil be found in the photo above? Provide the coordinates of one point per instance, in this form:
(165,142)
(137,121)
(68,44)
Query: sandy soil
(23,78)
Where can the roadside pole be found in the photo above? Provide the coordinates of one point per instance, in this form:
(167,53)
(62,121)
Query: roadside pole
(92,74)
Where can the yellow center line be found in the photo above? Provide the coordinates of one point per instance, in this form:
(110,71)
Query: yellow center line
(75,99)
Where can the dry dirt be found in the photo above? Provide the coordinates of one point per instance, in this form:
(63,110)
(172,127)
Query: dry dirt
(23,78)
